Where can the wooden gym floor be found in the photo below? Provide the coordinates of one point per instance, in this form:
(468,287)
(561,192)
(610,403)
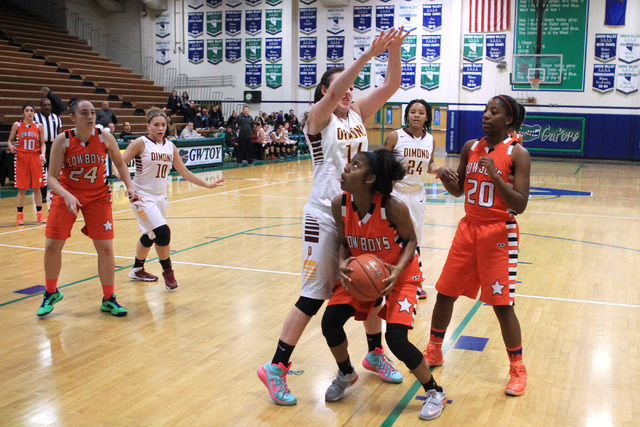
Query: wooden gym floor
(189,357)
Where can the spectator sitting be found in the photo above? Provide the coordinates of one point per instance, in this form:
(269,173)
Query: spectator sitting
(174,103)
(127,131)
(105,115)
(215,117)
(111,128)
(231,140)
(197,121)
(57,106)
(184,99)
(171,132)
(232,120)
(189,111)
(189,132)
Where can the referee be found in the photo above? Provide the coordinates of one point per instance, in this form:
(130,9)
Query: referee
(52,127)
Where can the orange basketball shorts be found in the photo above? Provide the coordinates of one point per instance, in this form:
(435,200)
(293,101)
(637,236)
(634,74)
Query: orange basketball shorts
(96,210)
(483,256)
(29,172)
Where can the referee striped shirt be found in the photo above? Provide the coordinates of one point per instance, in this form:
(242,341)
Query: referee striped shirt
(52,125)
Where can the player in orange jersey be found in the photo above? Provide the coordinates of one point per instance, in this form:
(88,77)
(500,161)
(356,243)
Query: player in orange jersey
(493,175)
(78,179)
(29,173)
(367,212)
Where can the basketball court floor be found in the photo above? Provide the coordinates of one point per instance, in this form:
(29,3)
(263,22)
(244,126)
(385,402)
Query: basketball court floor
(189,357)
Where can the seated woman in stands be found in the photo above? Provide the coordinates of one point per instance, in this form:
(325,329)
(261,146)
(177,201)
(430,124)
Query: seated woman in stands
(174,103)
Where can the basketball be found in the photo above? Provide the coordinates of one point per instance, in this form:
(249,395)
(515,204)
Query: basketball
(366,278)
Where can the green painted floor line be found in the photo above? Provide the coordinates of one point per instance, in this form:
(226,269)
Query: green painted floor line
(153,259)
(409,395)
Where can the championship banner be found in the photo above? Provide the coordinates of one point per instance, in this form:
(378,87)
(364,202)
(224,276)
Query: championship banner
(496,47)
(307,2)
(362,18)
(629,50)
(163,51)
(604,77)
(233,50)
(308,20)
(254,2)
(606,45)
(214,3)
(408,50)
(408,17)
(196,51)
(384,17)
(430,76)
(431,47)
(380,74)
(195,4)
(163,25)
(273,21)
(214,51)
(331,65)
(253,21)
(308,48)
(308,75)
(214,23)
(335,21)
(431,17)
(627,78)
(273,75)
(360,45)
(471,76)
(363,81)
(233,3)
(253,50)
(273,49)
(273,2)
(408,79)
(195,24)
(253,76)
(473,47)
(335,48)
(232,22)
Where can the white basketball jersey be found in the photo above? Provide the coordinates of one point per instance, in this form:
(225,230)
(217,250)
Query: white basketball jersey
(153,167)
(415,154)
(331,150)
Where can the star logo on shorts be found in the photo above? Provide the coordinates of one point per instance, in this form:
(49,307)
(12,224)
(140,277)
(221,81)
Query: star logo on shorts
(107,226)
(497,288)
(405,305)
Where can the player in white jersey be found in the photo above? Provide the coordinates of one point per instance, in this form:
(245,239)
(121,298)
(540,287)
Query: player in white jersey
(413,146)
(335,132)
(154,156)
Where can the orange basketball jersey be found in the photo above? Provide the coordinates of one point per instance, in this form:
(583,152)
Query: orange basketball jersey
(28,138)
(483,203)
(84,166)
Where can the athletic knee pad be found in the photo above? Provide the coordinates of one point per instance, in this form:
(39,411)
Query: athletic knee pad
(335,316)
(309,306)
(146,241)
(378,302)
(399,344)
(163,235)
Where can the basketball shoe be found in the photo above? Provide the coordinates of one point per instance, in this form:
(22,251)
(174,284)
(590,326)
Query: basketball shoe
(111,305)
(170,281)
(339,384)
(274,378)
(20,218)
(433,355)
(378,362)
(422,294)
(41,218)
(518,380)
(434,404)
(47,303)
(141,275)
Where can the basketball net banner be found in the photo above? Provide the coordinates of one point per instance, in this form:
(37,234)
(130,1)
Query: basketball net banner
(489,16)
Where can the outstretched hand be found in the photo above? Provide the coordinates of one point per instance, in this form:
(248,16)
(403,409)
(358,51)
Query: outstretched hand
(381,42)
(218,183)
(398,39)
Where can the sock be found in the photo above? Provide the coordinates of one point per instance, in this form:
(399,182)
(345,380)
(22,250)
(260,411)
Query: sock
(437,337)
(345,367)
(138,263)
(283,353)
(20,208)
(374,341)
(51,285)
(108,290)
(166,263)
(515,354)
(431,385)
(38,208)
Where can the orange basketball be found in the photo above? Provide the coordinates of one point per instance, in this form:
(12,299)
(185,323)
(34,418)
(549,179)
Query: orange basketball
(366,278)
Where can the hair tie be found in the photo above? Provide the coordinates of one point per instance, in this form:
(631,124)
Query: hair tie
(508,103)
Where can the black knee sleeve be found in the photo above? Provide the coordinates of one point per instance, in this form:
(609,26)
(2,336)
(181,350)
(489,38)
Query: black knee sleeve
(309,306)
(378,302)
(146,241)
(401,347)
(163,235)
(335,316)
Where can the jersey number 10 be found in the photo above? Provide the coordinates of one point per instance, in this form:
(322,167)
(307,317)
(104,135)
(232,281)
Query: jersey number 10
(162,171)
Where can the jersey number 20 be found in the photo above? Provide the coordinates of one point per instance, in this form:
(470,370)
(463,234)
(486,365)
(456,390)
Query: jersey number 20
(483,193)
